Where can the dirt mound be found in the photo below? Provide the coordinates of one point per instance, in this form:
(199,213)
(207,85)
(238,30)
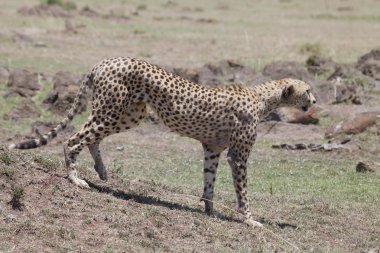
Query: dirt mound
(116,14)
(318,65)
(287,69)
(26,109)
(89,12)
(4,75)
(218,73)
(369,64)
(23,82)
(345,71)
(135,217)
(44,10)
(65,89)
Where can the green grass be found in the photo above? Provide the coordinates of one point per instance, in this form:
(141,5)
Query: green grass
(321,175)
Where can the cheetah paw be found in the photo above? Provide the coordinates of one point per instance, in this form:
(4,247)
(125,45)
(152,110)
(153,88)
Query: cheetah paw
(253,223)
(79,182)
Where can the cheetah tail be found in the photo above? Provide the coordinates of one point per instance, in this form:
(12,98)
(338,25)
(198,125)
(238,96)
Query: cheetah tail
(43,139)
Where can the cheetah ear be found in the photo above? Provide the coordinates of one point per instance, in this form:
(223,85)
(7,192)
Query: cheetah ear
(287,92)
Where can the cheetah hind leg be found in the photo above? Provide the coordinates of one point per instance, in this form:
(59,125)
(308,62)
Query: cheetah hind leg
(89,136)
(99,165)
(131,117)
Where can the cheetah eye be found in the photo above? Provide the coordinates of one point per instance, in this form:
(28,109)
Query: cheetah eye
(308,91)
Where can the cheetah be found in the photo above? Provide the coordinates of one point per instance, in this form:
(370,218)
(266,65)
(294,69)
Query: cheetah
(220,118)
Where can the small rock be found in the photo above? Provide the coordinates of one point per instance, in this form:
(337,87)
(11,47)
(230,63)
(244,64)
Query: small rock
(40,44)
(65,89)
(318,65)
(26,109)
(23,82)
(364,167)
(10,218)
(120,148)
(88,12)
(369,64)
(344,71)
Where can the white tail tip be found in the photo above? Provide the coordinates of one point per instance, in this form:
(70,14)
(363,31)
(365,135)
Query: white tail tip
(12,146)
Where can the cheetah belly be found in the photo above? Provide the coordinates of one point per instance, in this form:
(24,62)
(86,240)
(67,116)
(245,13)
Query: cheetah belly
(208,125)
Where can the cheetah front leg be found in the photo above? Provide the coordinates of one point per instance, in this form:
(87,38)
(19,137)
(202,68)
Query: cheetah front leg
(211,159)
(237,157)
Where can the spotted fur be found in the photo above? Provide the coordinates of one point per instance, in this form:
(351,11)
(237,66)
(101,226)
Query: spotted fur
(219,118)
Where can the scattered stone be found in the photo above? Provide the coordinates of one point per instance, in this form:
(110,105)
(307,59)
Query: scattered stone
(284,69)
(26,109)
(40,44)
(120,148)
(10,218)
(364,167)
(345,93)
(24,83)
(343,71)
(337,92)
(350,74)
(331,145)
(311,146)
(369,64)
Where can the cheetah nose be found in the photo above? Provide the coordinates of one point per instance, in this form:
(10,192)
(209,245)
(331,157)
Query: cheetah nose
(313,101)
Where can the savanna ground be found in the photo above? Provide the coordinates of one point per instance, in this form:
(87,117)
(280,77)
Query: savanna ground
(307,201)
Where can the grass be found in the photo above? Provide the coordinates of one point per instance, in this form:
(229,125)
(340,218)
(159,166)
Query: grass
(281,172)
(17,194)
(261,39)
(51,164)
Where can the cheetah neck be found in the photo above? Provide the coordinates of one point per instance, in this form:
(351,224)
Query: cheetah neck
(269,94)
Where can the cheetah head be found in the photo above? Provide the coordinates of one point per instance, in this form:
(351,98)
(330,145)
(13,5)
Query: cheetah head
(297,93)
